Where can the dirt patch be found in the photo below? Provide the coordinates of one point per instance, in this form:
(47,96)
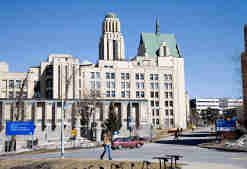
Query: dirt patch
(73,164)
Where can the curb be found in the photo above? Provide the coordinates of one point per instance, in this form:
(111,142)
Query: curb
(224,149)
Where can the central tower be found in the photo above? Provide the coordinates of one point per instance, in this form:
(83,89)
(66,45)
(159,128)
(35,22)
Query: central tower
(111,46)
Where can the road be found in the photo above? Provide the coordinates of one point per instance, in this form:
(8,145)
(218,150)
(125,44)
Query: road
(192,155)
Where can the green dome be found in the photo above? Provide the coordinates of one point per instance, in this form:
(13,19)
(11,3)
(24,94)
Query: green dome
(111,15)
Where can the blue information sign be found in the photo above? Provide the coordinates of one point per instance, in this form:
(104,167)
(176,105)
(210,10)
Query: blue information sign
(19,128)
(226,125)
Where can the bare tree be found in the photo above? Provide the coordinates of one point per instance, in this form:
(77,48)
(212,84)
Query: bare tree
(17,107)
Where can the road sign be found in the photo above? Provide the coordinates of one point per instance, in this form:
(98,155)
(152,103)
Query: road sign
(74,132)
(19,128)
(65,107)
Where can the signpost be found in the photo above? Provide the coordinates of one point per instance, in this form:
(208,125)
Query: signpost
(14,128)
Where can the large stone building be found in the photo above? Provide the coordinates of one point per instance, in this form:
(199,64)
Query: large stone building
(148,89)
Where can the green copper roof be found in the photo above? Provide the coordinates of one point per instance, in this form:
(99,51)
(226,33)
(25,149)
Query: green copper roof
(152,43)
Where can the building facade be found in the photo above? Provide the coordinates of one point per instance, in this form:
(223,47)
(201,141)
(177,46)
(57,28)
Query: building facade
(149,89)
(222,104)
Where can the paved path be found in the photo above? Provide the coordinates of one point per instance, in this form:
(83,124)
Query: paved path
(194,157)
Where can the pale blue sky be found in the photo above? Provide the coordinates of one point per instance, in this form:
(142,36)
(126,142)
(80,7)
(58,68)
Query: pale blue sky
(209,33)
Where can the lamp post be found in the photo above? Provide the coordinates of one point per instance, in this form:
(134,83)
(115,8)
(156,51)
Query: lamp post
(62,122)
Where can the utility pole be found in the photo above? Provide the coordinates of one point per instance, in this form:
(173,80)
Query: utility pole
(62,120)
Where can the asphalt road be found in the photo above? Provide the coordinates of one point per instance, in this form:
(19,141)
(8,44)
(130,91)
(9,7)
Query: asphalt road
(192,155)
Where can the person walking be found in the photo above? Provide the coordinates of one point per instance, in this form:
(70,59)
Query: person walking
(107,146)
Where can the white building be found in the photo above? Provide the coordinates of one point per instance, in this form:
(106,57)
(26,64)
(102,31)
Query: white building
(149,88)
(222,104)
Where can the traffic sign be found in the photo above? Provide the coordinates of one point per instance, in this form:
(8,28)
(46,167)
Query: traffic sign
(74,132)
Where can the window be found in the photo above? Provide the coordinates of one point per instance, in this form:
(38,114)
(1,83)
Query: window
(164,51)
(11,94)
(166,76)
(108,93)
(122,85)
(122,93)
(157,103)
(156,85)
(152,85)
(151,77)
(79,83)
(113,93)
(142,76)
(156,77)
(137,76)
(171,103)
(98,75)
(92,76)
(108,84)
(122,75)
(107,75)
(171,122)
(157,94)
(142,94)
(157,112)
(153,121)
(113,85)
(137,85)
(166,103)
(112,75)
(4,83)
(171,95)
(166,86)
(170,76)
(170,85)
(166,95)
(157,121)
(11,84)
(127,76)
(153,112)
(171,112)
(166,112)
(137,94)
(18,83)
(127,93)
(152,103)
(142,85)
(92,84)
(127,85)
(151,94)
(97,84)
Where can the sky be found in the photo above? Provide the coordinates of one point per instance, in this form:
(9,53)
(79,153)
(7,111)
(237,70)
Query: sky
(209,34)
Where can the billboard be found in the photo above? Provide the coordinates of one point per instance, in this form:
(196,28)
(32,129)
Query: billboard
(19,128)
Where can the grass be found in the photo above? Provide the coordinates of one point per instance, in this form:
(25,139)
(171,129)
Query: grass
(71,164)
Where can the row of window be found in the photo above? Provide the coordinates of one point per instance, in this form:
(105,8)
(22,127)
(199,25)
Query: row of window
(156,103)
(157,112)
(13,84)
(126,76)
(17,94)
(157,122)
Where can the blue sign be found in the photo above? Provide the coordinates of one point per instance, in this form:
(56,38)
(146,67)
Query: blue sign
(226,125)
(19,128)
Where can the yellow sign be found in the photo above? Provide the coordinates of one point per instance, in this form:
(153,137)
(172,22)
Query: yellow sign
(74,132)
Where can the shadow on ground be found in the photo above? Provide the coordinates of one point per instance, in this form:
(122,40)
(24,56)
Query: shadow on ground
(204,134)
(186,141)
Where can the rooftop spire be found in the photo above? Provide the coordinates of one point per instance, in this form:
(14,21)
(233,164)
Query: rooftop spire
(157,26)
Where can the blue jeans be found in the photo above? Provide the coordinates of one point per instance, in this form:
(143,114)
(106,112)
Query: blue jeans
(107,148)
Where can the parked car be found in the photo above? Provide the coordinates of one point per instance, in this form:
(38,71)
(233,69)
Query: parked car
(127,142)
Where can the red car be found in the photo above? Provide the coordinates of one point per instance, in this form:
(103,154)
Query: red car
(127,142)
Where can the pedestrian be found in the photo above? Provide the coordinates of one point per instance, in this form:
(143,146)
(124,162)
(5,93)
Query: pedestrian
(176,135)
(181,131)
(107,146)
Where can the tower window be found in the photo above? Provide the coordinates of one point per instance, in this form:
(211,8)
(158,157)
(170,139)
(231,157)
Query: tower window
(164,51)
